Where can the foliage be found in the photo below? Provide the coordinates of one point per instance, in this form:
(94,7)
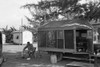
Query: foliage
(88,11)
(47,10)
(8,33)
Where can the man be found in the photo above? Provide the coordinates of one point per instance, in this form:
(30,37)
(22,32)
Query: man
(31,50)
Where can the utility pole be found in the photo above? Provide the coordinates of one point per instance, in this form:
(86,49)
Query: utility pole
(20,32)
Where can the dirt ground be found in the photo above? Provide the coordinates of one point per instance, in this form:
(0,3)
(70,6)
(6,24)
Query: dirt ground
(12,53)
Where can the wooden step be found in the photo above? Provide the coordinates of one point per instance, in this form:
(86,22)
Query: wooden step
(78,58)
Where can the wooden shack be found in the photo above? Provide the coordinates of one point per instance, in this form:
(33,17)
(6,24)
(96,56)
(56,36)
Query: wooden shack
(66,37)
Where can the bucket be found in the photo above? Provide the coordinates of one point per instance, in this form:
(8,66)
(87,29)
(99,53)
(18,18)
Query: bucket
(53,58)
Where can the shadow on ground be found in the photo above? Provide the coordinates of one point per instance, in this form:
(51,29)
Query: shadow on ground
(15,60)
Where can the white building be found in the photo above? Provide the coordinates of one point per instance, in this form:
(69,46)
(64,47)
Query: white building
(3,38)
(22,37)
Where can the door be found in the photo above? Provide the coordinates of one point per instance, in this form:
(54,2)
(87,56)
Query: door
(69,39)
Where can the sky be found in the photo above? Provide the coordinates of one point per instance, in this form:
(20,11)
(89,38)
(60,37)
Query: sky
(11,14)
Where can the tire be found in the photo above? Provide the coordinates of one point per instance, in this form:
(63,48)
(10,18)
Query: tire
(59,56)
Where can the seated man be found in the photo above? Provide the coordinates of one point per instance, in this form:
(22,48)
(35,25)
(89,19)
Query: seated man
(31,50)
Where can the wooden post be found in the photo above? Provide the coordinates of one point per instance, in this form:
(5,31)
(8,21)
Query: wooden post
(63,39)
(75,40)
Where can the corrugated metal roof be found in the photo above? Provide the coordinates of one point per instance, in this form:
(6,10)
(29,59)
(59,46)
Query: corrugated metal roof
(75,23)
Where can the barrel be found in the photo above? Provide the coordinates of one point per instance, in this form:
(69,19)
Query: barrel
(53,58)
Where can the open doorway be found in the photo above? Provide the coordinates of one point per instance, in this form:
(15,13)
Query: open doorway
(81,40)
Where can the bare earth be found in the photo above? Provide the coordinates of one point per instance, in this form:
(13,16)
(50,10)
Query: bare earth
(13,55)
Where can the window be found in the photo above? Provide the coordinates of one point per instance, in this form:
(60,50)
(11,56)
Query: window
(60,34)
(51,39)
(95,36)
(60,39)
(17,37)
(99,34)
(89,34)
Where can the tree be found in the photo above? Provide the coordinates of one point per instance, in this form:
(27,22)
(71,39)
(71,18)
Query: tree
(47,10)
(8,33)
